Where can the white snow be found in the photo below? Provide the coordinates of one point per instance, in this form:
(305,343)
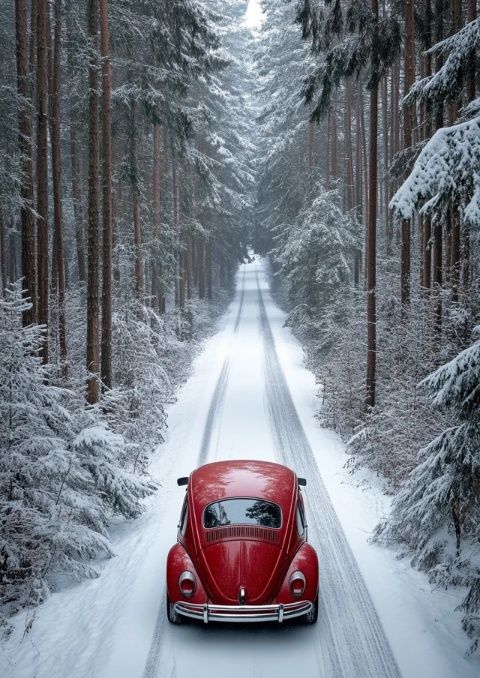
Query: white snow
(115,626)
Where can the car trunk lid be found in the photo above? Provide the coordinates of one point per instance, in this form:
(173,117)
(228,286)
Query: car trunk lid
(242,569)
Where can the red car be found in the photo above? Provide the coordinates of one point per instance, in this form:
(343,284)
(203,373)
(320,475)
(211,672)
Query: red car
(242,553)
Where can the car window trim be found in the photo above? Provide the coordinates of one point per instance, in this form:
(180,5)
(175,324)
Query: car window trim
(243,524)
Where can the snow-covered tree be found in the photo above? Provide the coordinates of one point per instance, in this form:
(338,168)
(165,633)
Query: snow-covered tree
(63,473)
(436,515)
(315,254)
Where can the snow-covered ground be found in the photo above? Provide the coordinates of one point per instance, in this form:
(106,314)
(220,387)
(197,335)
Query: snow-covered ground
(249,396)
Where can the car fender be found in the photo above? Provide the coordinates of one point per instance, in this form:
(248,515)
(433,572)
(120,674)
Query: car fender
(177,562)
(305,560)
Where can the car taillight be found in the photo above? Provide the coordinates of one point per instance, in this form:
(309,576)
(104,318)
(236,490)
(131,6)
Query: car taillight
(187,584)
(297,584)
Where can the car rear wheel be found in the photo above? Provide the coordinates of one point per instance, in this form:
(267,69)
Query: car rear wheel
(312,616)
(173,616)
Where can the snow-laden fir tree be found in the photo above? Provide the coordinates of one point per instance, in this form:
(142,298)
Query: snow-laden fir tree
(315,254)
(63,474)
(436,515)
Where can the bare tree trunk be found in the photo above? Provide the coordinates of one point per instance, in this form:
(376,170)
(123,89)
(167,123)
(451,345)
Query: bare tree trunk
(42,168)
(426,221)
(77,202)
(471,94)
(3,254)
(396,105)
(472,61)
(365,167)
(25,146)
(208,270)
(137,244)
(409,111)
(12,256)
(189,268)
(455,227)
(137,224)
(201,267)
(372,243)
(32,67)
(106,360)
(157,142)
(358,186)
(437,264)
(93,352)
(333,139)
(327,151)
(75,171)
(178,267)
(349,178)
(348,146)
(55,135)
(386,161)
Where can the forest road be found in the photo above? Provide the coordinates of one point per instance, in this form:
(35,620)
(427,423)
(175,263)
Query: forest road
(348,641)
(244,399)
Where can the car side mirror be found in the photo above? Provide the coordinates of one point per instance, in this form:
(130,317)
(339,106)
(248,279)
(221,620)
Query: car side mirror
(182,481)
(302,482)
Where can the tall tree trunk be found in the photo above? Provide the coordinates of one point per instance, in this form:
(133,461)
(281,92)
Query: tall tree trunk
(77,202)
(93,363)
(349,178)
(106,360)
(12,256)
(189,267)
(358,185)
(157,292)
(333,140)
(396,106)
(427,133)
(455,226)
(386,161)
(137,224)
(409,111)
(348,146)
(42,168)
(208,269)
(3,254)
(25,146)
(32,68)
(201,267)
(472,61)
(471,94)
(75,170)
(137,245)
(179,277)
(327,152)
(365,167)
(55,135)
(437,264)
(372,241)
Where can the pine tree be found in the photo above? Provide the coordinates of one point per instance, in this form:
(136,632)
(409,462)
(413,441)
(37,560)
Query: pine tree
(437,513)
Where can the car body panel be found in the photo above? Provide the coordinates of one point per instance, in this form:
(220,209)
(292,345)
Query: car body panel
(242,565)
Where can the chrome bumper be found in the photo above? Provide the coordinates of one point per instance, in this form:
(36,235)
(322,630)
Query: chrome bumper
(243,613)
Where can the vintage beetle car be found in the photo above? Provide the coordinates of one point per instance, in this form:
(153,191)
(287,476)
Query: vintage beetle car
(242,553)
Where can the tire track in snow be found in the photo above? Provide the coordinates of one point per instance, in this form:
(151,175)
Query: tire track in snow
(352,639)
(215,404)
(152,665)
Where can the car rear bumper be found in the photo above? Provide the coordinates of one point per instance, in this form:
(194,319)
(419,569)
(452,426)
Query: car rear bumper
(243,613)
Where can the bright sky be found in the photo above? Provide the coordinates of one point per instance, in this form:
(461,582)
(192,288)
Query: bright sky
(254,15)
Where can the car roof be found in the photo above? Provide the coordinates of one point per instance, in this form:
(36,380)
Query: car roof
(242,478)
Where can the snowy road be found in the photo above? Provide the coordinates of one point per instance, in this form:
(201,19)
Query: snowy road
(237,404)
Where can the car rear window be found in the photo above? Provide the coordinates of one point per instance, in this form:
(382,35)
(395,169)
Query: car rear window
(242,512)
